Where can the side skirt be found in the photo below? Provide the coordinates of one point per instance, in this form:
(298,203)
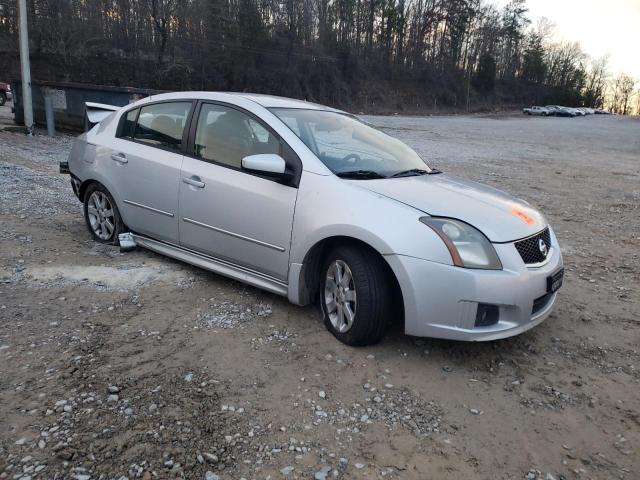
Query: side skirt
(215,265)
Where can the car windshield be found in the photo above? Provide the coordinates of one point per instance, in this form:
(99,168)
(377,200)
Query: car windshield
(349,147)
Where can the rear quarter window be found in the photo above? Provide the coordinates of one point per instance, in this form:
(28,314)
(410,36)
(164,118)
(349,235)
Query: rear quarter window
(129,123)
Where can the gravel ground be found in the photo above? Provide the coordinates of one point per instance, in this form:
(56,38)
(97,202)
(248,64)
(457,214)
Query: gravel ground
(123,366)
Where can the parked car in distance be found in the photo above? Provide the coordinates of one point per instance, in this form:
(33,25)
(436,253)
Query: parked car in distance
(308,202)
(5,93)
(558,111)
(535,110)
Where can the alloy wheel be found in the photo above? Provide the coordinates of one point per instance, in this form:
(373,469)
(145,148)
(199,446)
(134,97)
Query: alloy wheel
(101,215)
(340,296)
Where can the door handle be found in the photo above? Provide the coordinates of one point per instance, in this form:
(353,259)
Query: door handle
(193,181)
(119,157)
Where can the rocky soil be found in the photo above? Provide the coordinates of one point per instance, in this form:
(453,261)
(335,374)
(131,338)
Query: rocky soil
(125,366)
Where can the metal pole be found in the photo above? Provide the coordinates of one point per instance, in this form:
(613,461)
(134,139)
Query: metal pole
(27,104)
(468,88)
(48,110)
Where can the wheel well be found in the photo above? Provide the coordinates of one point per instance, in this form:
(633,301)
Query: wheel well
(83,188)
(312,265)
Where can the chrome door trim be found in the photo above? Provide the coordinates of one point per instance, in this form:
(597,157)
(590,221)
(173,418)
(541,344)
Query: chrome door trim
(235,235)
(146,207)
(216,265)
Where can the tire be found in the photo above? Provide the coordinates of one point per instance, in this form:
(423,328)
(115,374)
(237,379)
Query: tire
(3,98)
(101,215)
(369,305)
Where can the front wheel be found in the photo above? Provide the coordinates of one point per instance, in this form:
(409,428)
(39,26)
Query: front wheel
(3,98)
(355,295)
(101,215)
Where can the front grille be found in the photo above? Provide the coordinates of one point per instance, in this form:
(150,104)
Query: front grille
(529,248)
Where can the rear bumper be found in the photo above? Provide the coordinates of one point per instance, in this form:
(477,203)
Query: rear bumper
(441,301)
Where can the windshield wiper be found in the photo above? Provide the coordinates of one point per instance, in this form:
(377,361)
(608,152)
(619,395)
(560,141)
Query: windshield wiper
(410,173)
(364,174)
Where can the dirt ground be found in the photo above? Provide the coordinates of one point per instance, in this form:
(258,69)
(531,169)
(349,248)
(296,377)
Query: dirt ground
(122,366)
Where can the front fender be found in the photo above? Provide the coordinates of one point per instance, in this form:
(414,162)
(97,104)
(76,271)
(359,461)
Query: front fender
(328,206)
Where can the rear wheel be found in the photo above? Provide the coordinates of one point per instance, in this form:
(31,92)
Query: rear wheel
(101,215)
(355,295)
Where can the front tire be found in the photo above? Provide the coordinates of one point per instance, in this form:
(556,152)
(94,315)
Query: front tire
(101,215)
(355,295)
(3,99)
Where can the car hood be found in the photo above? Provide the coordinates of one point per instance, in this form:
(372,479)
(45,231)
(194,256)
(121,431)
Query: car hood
(501,217)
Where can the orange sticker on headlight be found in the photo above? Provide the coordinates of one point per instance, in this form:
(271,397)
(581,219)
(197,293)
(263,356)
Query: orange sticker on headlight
(522,215)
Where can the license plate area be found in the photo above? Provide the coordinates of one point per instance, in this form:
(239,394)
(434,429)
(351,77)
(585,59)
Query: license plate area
(554,282)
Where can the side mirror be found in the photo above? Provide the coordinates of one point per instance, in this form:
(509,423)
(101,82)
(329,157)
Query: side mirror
(266,163)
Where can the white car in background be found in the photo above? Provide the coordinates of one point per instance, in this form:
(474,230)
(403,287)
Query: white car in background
(559,111)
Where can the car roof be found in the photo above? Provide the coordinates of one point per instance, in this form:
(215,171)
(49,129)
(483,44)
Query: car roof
(273,101)
(267,101)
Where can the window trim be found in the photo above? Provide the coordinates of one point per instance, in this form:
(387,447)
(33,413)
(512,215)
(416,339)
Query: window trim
(185,130)
(123,120)
(296,168)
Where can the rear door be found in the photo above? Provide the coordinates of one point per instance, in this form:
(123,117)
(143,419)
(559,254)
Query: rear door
(227,212)
(146,159)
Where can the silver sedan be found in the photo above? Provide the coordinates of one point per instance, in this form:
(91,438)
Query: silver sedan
(309,202)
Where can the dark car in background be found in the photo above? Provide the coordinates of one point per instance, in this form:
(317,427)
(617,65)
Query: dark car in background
(5,93)
(559,111)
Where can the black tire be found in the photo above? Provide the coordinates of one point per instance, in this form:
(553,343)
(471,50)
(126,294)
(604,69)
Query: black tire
(118,225)
(3,98)
(373,293)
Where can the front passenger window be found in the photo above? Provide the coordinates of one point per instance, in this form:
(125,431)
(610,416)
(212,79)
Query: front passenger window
(162,124)
(226,135)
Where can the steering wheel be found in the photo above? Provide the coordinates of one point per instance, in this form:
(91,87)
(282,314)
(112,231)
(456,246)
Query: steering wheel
(352,158)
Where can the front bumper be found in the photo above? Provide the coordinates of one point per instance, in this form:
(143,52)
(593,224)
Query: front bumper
(441,301)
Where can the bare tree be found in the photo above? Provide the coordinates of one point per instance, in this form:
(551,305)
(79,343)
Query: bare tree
(622,89)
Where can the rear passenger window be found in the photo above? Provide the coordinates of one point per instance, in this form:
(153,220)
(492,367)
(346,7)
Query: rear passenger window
(129,124)
(162,124)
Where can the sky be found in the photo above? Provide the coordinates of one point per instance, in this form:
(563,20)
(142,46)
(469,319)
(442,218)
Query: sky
(603,27)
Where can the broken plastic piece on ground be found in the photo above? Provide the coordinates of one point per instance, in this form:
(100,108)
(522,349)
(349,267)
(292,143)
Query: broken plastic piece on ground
(126,242)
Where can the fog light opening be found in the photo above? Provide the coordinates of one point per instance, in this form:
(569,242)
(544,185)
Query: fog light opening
(487,315)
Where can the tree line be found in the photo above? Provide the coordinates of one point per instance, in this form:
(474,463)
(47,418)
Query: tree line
(377,55)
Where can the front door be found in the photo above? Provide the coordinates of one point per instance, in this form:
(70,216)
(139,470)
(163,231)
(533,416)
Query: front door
(226,212)
(146,159)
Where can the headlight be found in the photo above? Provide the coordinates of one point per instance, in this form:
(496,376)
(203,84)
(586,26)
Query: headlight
(468,246)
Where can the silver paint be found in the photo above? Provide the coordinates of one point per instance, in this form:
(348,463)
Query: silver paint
(246,216)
